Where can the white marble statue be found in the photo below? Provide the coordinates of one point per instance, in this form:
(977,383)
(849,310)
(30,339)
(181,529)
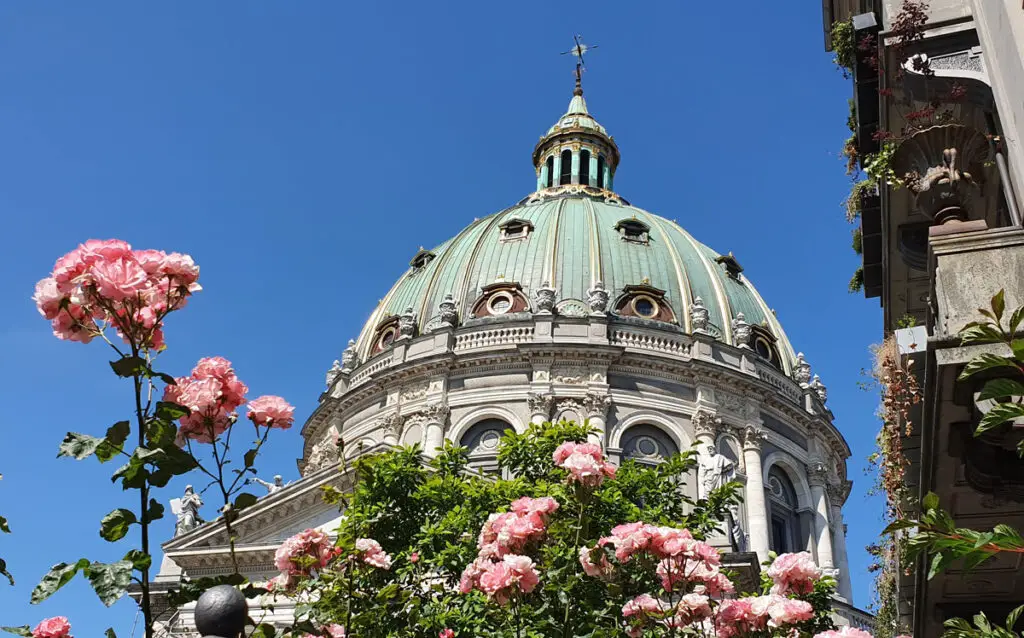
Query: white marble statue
(272,488)
(186,509)
(713,471)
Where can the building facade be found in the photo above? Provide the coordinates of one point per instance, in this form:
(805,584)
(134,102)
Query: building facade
(573,304)
(938,250)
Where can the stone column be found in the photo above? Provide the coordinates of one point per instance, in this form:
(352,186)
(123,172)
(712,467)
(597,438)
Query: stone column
(392,425)
(593,168)
(607,177)
(575,167)
(540,406)
(836,497)
(434,418)
(596,405)
(556,168)
(816,476)
(757,509)
(542,176)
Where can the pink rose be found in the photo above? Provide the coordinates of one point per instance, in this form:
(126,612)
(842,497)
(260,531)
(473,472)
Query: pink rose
(119,279)
(335,631)
(641,606)
(414,557)
(794,573)
(629,539)
(371,553)
(73,324)
(272,411)
(543,506)
(845,632)
(48,298)
(601,569)
(502,580)
(446,633)
(56,627)
(306,551)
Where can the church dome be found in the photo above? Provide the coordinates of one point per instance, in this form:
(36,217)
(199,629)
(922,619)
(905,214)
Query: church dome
(567,242)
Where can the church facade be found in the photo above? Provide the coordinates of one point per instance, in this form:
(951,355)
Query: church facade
(572,304)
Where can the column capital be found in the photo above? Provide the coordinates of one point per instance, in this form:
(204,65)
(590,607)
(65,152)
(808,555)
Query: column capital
(838,492)
(541,404)
(431,413)
(753,436)
(705,422)
(817,474)
(597,404)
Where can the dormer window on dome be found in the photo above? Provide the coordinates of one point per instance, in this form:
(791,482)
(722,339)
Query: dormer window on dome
(645,302)
(634,230)
(500,298)
(732,267)
(421,259)
(515,228)
(764,344)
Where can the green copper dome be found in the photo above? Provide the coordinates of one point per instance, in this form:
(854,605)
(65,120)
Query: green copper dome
(570,237)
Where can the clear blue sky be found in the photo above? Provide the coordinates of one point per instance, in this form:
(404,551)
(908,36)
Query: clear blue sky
(302,152)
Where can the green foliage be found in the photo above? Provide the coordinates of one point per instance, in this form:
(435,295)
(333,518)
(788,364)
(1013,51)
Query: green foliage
(982,627)
(436,508)
(5,573)
(843,47)
(906,321)
(115,525)
(857,281)
(109,581)
(858,241)
(18,631)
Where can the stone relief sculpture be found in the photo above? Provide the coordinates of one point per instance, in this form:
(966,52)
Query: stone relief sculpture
(186,509)
(446,311)
(741,331)
(802,370)
(332,374)
(349,358)
(597,298)
(819,388)
(544,299)
(699,316)
(407,324)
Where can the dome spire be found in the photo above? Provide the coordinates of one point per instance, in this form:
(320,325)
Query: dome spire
(577,151)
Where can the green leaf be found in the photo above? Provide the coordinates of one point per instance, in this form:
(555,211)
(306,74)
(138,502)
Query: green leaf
(78,446)
(139,559)
(999,304)
(170,411)
(133,474)
(58,576)
(109,633)
(1011,618)
(262,630)
(985,361)
(166,378)
(4,527)
(160,478)
(250,457)
(129,367)
(930,501)
(980,333)
(110,581)
(998,415)
(160,433)
(155,511)
(243,501)
(1017,345)
(898,525)
(18,631)
(4,572)
(114,443)
(115,525)
(1000,388)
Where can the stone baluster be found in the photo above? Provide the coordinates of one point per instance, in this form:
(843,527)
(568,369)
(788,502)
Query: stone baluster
(757,509)
(817,476)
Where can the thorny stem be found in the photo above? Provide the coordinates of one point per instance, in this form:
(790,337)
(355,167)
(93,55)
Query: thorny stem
(147,613)
(576,543)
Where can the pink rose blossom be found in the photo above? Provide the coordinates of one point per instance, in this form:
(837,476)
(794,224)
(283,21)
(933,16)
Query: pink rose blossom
(371,553)
(48,298)
(692,608)
(629,539)
(335,631)
(119,279)
(414,557)
(585,463)
(526,505)
(794,573)
(845,632)
(303,553)
(513,574)
(446,633)
(641,606)
(272,411)
(56,627)
(74,324)
(601,569)
(470,579)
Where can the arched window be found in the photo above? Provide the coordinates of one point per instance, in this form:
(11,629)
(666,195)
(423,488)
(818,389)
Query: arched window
(585,167)
(600,171)
(782,504)
(551,171)
(482,440)
(647,444)
(566,176)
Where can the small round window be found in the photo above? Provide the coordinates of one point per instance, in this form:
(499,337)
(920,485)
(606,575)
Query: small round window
(387,337)
(500,303)
(645,307)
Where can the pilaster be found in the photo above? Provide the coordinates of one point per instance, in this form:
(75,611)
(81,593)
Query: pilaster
(757,509)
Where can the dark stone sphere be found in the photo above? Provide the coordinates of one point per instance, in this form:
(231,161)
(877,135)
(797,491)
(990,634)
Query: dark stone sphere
(221,612)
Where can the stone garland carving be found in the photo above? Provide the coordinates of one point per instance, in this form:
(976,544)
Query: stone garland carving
(541,404)
(349,358)
(741,331)
(407,324)
(414,392)
(544,299)
(570,376)
(699,316)
(446,311)
(597,298)
(731,402)
(819,388)
(802,370)
(705,422)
